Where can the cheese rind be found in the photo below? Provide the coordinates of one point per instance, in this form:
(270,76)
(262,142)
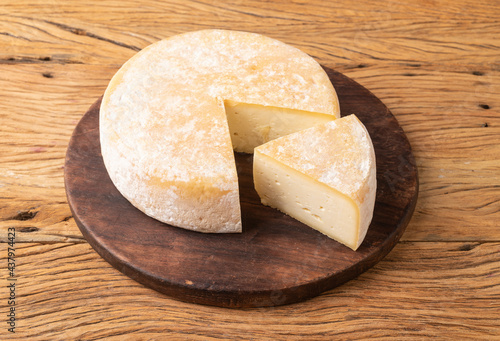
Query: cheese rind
(324,176)
(164,134)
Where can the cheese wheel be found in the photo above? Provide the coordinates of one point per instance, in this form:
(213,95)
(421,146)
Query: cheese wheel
(324,176)
(164,132)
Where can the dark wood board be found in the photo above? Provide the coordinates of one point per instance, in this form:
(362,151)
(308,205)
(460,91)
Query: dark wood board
(276,260)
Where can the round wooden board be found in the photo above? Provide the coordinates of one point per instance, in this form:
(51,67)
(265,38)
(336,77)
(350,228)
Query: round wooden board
(276,260)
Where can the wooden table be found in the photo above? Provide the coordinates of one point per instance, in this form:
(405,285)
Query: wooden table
(435,64)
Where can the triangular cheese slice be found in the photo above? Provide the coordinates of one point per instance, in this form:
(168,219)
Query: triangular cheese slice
(324,176)
(164,133)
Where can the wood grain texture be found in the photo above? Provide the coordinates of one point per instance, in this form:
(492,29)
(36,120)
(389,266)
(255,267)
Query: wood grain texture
(434,63)
(414,292)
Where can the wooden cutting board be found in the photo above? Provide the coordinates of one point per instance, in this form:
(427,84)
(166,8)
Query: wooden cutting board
(276,260)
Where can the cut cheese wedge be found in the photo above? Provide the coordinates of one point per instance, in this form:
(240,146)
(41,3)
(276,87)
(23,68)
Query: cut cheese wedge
(164,132)
(324,176)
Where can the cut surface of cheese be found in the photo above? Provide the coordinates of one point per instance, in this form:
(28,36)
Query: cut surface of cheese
(252,125)
(164,133)
(324,176)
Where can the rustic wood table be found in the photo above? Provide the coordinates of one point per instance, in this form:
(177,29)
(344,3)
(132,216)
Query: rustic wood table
(434,64)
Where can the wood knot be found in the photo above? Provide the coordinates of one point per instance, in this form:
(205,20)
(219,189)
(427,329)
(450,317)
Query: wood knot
(29,229)
(78,31)
(484,106)
(466,247)
(24,215)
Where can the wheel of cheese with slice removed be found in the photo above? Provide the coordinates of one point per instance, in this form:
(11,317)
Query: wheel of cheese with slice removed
(173,113)
(324,176)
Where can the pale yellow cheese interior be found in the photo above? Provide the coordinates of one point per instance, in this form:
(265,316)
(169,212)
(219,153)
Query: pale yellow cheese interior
(251,125)
(323,176)
(307,200)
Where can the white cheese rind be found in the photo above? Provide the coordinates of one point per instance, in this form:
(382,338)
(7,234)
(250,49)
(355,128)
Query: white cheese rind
(164,134)
(324,176)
